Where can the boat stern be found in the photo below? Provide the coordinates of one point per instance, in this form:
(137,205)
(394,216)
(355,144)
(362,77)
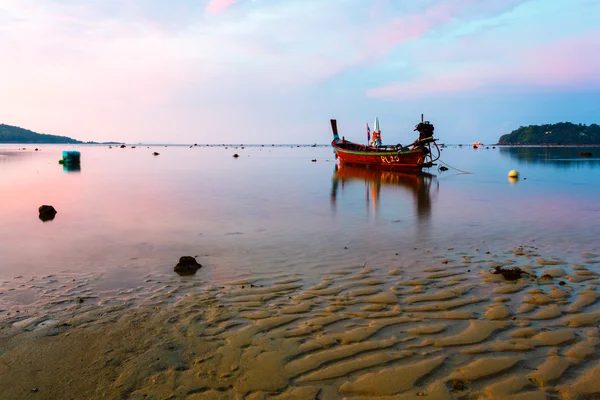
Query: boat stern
(334,129)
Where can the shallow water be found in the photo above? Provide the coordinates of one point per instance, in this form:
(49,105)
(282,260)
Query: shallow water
(127,214)
(318,282)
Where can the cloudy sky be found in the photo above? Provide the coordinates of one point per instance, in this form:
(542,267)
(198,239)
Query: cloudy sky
(275,71)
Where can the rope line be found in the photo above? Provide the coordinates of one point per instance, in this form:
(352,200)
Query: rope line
(450,166)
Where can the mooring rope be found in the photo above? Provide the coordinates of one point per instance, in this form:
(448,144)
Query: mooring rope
(450,166)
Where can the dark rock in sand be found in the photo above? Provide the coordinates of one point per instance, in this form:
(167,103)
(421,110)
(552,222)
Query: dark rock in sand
(155,153)
(123,146)
(235,155)
(510,274)
(187,265)
(47,213)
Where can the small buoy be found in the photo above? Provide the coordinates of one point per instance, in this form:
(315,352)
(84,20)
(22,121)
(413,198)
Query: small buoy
(513,173)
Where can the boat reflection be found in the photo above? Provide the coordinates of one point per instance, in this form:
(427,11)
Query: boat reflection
(418,184)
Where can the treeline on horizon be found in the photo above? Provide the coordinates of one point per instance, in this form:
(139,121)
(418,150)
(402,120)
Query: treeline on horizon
(562,133)
(14,134)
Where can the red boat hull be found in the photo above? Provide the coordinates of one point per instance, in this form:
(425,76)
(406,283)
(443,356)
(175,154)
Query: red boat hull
(409,160)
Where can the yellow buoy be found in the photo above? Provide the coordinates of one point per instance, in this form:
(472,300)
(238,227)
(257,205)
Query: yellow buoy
(513,173)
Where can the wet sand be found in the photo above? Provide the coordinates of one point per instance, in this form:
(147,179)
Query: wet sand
(453,330)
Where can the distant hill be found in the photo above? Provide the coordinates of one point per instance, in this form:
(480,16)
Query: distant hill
(562,133)
(14,134)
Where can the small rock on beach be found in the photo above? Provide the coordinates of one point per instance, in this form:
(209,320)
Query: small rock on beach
(187,265)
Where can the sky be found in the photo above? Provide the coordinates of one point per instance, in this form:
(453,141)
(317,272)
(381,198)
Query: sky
(276,71)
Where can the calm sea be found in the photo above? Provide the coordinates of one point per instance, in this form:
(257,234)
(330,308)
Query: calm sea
(127,214)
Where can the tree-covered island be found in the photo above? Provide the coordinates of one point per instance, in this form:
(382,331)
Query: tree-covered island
(14,134)
(562,133)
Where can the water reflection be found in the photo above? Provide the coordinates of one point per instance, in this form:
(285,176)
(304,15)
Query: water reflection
(560,157)
(9,156)
(72,167)
(417,184)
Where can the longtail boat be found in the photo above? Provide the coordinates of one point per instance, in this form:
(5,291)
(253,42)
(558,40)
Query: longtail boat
(422,153)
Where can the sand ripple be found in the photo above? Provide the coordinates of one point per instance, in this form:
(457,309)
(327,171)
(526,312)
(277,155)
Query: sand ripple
(359,333)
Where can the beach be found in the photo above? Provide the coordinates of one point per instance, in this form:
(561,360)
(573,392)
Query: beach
(299,200)
(453,330)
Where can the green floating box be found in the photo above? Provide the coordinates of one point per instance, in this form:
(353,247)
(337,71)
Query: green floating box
(70,157)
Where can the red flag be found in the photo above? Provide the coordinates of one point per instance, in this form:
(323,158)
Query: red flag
(368,133)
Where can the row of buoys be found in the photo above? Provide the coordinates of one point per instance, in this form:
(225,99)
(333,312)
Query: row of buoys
(73,157)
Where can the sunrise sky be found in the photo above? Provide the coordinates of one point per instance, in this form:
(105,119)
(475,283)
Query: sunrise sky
(276,71)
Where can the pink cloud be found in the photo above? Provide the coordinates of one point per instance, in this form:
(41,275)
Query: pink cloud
(217,6)
(384,38)
(572,61)
(566,64)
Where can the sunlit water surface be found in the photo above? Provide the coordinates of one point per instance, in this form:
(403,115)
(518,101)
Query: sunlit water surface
(127,215)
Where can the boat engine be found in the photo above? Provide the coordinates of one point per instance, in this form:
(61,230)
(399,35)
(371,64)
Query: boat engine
(426,143)
(425,130)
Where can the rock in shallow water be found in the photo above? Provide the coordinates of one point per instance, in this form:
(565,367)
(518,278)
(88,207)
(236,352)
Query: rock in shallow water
(510,274)
(187,265)
(47,213)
